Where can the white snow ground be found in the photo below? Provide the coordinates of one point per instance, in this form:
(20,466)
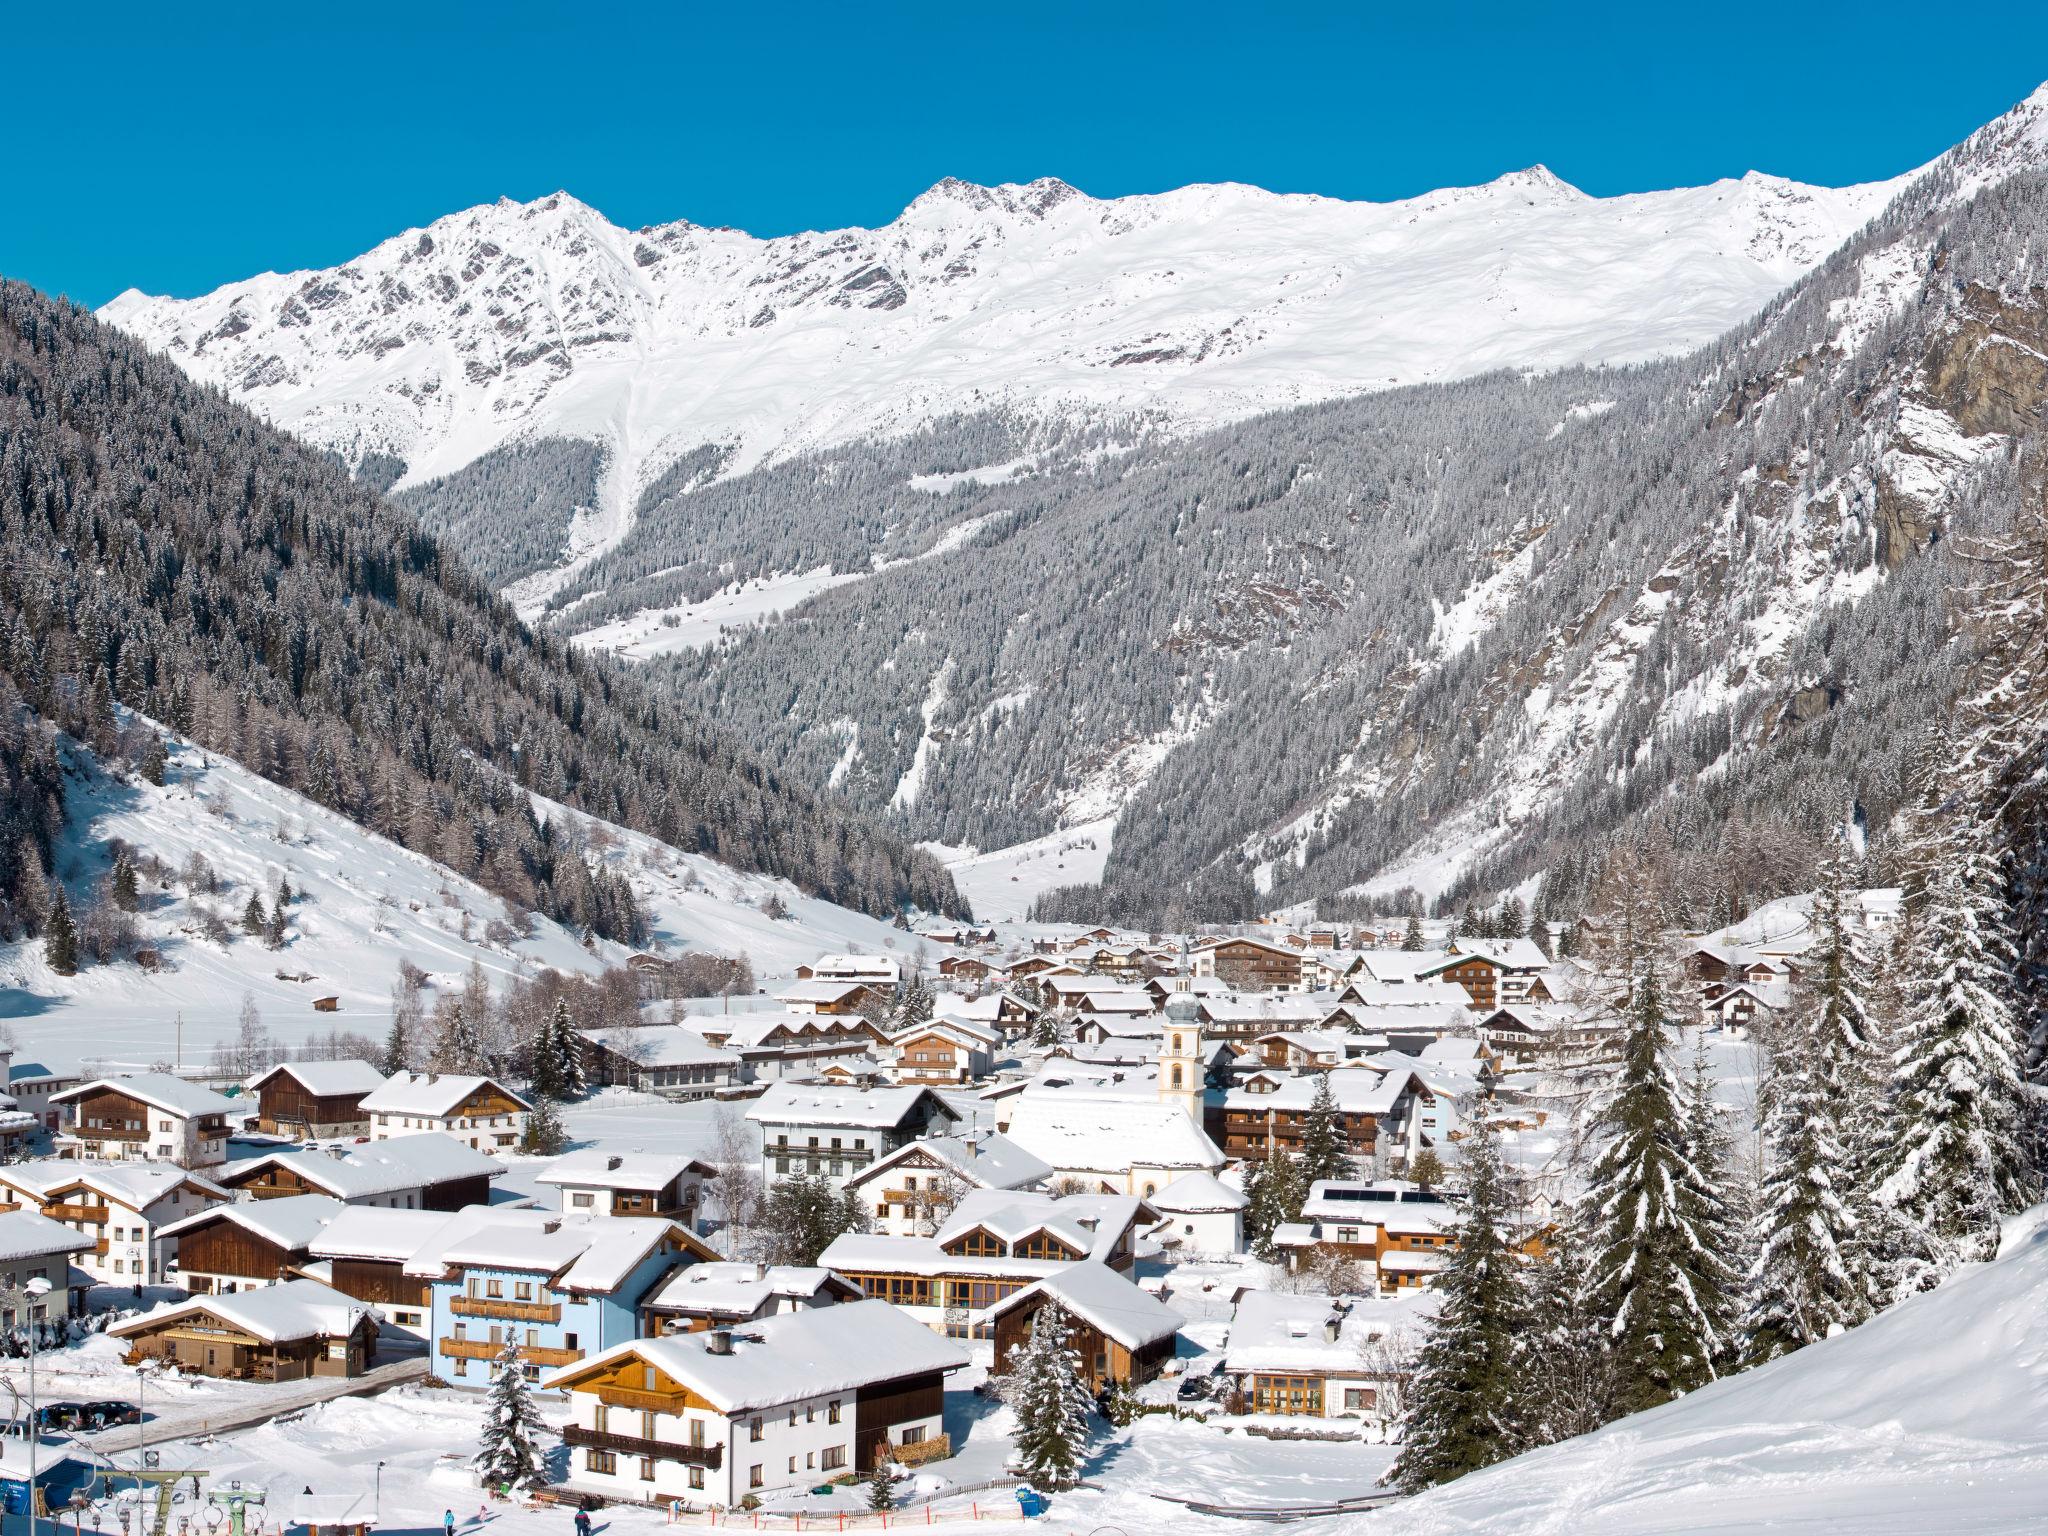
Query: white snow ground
(1001,884)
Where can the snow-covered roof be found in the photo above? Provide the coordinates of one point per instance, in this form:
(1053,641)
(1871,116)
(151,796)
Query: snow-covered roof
(821,991)
(1357,1091)
(1118,1000)
(377,1232)
(291,1221)
(159,1090)
(430,1094)
(777,1360)
(579,1253)
(31,1235)
(1105,1300)
(1086,1130)
(729,1288)
(960,1032)
(1404,964)
(278,1314)
(324,1079)
(1432,993)
(857,967)
(1272,1331)
(1393,1204)
(660,1045)
(1089,1224)
(596,1168)
(1508,954)
(417,1161)
(1196,1192)
(987,1159)
(813,1104)
(137,1184)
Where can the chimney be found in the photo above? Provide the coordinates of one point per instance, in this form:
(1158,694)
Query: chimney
(612,1160)
(433,1077)
(718,1342)
(1330,1326)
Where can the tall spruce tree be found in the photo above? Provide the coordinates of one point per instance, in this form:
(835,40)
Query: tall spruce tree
(1654,1278)
(508,1452)
(1803,1281)
(1959,1162)
(1466,1402)
(1324,1149)
(1274,1191)
(1411,940)
(60,934)
(1046,1391)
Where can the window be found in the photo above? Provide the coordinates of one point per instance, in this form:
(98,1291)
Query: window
(696,1477)
(756,1431)
(754,1475)
(601,1418)
(810,1461)
(600,1461)
(494,1288)
(1358,1399)
(523,1290)
(832,1411)
(646,1469)
(835,1457)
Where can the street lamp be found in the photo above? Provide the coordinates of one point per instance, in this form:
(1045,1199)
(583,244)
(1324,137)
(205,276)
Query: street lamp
(37,1288)
(377,1507)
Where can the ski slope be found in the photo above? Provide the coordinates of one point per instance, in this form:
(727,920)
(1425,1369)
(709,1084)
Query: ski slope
(364,905)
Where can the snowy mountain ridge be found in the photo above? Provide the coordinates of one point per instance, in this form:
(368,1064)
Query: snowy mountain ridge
(1189,308)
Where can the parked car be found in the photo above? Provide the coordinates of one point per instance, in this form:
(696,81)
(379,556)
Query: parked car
(61,1415)
(110,1411)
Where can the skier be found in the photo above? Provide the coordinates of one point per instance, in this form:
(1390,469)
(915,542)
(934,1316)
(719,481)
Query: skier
(447,1522)
(582,1522)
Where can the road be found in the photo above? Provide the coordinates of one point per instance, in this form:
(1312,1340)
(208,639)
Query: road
(293,1397)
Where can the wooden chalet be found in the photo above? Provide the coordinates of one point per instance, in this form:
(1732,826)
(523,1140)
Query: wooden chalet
(315,1100)
(1120,1333)
(289,1332)
(249,1243)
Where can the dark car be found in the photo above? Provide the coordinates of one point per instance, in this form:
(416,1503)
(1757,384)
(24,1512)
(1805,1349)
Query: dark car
(61,1415)
(111,1411)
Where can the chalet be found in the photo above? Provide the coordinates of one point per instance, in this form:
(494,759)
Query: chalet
(1493,972)
(249,1243)
(1139,1030)
(774,1046)
(147,1115)
(1120,1333)
(1304,1050)
(838,998)
(1249,964)
(423,1171)
(1737,1007)
(314,1100)
(1241,1020)
(561,1287)
(1160,988)
(122,1208)
(728,1294)
(944,1050)
(994,1244)
(836,1132)
(1200,1214)
(1711,963)
(33,1247)
(363,1252)
(882,972)
(1115,1002)
(714,1418)
(599,1183)
(1404,1231)
(1371,1106)
(1031,967)
(968,968)
(33,1086)
(664,1059)
(1004,1012)
(477,1110)
(287,1332)
(912,1190)
(1305,1356)
(1547,1034)
(1104,1139)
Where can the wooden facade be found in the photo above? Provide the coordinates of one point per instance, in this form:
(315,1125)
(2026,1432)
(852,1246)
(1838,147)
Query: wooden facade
(380,1282)
(214,1346)
(1103,1359)
(285,1108)
(274,1181)
(226,1248)
(879,1408)
(1252,965)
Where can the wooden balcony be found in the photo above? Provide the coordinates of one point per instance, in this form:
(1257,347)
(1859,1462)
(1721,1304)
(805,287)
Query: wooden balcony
(484,1349)
(630,1397)
(91,1215)
(508,1311)
(712,1456)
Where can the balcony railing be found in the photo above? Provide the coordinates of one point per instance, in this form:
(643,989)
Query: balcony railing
(512,1311)
(712,1456)
(484,1349)
(631,1397)
(92,1215)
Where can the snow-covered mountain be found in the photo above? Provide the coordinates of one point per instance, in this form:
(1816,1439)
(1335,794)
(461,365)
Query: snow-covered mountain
(1193,307)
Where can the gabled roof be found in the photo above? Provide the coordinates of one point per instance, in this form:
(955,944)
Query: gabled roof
(1103,1299)
(660,1045)
(577,1253)
(985,1159)
(593,1166)
(417,1161)
(1508,954)
(291,1222)
(777,1360)
(1273,945)
(731,1289)
(1195,1193)
(377,1232)
(278,1314)
(324,1079)
(30,1235)
(434,1095)
(958,1031)
(1277,1332)
(1357,1090)
(1088,1224)
(138,1184)
(821,991)
(814,1104)
(1084,1130)
(159,1090)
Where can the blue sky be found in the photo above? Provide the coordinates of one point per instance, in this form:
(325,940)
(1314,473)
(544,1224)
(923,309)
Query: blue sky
(173,148)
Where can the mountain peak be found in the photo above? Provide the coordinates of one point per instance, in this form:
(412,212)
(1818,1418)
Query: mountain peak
(1538,183)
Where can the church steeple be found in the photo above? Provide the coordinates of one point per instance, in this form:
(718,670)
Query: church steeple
(1182,1076)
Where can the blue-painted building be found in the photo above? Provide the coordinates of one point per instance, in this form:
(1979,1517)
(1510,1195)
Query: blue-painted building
(560,1287)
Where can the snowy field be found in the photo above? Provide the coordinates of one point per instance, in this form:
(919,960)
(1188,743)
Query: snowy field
(1001,885)
(692,626)
(364,905)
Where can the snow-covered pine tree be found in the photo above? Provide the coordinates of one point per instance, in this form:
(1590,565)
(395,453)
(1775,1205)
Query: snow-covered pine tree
(1465,1402)
(1411,940)
(461,1045)
(253,920)
(1653,1278)
(545,1135)
(1959,1161)
(1804,1280)
(1275,1191)
(1323,1144)
(508,1452)
(60,934)
(1720,1217)
(122,886)
(882,1479)
(567,1047)
(913,1004)
(1046,1391)
(1565,1368)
